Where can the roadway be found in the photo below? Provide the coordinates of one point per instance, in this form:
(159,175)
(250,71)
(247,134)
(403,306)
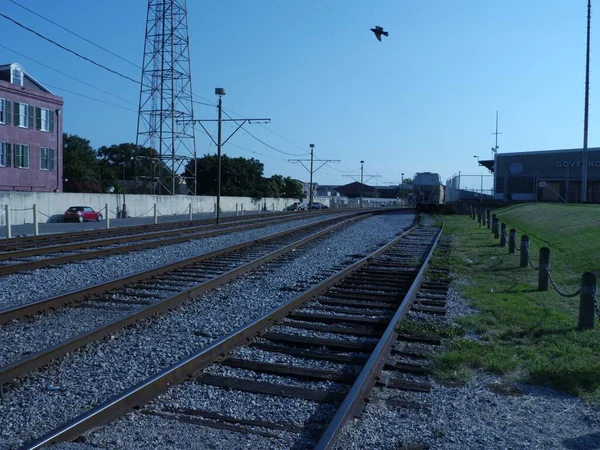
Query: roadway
(65,227)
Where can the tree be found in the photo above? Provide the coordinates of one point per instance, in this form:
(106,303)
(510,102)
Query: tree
(292,189)
(138,162)
(240,177)
(80,166)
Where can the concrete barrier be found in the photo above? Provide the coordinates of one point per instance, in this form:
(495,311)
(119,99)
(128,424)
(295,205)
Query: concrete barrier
(52,205)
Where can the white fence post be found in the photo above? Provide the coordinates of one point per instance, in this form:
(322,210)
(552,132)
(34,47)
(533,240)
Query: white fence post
(155,215)
(8,228)
(36,230)
(106,216)
(191,216)
(242,208)
(273,207)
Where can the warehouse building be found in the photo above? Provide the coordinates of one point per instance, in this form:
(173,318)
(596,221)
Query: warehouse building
(548,175)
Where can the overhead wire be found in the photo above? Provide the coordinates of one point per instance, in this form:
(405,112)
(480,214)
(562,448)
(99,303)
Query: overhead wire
(263,142)
(67,75)
(75,34)
(122,75)
(16,22)
(88,97)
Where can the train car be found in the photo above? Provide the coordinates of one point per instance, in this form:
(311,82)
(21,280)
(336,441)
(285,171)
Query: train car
(428,191)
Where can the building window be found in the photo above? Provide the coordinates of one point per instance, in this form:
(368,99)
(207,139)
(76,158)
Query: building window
(46,158)
(17,75)
(5,112)
(22,156)
(5,154)
(43,119)
(23,115)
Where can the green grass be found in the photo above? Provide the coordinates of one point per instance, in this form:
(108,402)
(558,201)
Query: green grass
(524,333)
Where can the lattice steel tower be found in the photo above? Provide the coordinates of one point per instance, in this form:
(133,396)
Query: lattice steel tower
(166,108)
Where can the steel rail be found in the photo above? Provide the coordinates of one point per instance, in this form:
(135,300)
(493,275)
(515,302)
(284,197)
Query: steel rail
(39,359)
(37,264)
(190,367)
(359,392)
(189,231)
(58,301)
(8,245)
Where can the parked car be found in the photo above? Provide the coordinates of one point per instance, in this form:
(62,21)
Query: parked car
(81,214)
(317,205)
(296,206)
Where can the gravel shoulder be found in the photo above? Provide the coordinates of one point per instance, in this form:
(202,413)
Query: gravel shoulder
(490,412)
(46,398)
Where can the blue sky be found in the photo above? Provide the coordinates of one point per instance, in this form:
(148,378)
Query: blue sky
(424,99)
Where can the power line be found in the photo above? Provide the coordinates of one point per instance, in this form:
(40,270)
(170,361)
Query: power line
(67,49)
(75,34)
(341,171)
(121,75)
(67,75)
(91,98)
(124,76)
(264,143)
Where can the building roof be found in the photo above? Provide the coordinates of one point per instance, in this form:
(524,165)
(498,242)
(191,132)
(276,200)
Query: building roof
(28,81)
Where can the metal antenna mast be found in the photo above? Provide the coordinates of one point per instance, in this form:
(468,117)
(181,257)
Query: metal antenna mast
(584,165)
(495,147)
(166,107)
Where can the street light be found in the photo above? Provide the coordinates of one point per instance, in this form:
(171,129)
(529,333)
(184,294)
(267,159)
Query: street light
(220,92)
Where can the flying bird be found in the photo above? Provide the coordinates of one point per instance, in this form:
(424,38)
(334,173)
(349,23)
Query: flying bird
(378,32)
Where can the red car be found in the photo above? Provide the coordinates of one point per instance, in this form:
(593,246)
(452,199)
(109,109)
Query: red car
(81,214)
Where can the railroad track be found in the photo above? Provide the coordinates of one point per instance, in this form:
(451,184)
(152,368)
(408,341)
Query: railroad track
(50,256)
(26,242)
(324,347)
(121,302)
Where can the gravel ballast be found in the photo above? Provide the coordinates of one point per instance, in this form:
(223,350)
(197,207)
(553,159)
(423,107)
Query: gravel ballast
(49,397)
(20,288)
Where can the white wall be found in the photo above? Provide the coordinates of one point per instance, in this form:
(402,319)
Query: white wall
(55,204)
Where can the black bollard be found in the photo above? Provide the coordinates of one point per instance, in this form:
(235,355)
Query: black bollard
(488,219)
(512,240)
(503,235)
(496,227)
(544,269)
(587,301)
(524,250)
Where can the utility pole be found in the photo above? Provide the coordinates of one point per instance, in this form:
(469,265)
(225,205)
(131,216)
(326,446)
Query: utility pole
(362,163)
(220,92)
(312,170)
(584,165)
(312,158)
(240,122)
(361,180)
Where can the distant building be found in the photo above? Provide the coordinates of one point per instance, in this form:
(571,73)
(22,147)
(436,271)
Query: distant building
(30,133)
(548,175)
(353,190)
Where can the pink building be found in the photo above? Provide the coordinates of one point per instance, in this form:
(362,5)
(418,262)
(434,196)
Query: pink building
(30,133)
